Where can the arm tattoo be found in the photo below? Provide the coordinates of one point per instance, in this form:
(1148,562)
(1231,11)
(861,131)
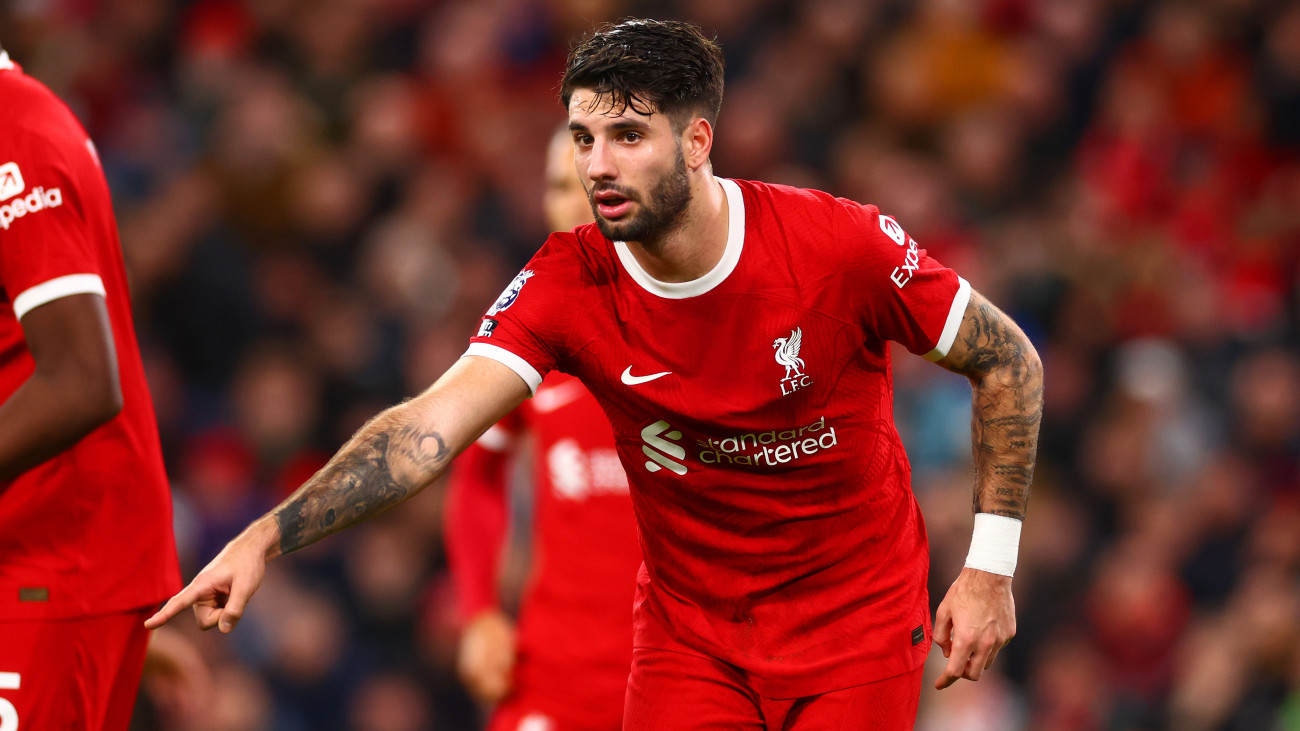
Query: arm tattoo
(1007,383)
(381,466)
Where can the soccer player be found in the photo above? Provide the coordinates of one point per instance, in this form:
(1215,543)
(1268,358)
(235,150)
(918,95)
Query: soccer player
(86,545)
(736,334)
(575,620)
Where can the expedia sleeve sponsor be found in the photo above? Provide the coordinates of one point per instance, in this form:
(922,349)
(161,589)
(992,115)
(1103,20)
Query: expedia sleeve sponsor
(55,225)
(898,292)
(36,201)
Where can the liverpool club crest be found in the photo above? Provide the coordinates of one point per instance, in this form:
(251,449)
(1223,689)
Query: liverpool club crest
(787,354)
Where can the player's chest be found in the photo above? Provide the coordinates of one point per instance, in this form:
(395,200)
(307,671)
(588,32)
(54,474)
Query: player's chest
(741,360)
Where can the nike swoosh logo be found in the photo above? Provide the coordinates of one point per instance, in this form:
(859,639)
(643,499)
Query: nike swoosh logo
(632,380)
(552,399)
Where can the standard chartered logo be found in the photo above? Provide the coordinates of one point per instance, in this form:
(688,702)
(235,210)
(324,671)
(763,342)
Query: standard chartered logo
(772,448)
(659,449)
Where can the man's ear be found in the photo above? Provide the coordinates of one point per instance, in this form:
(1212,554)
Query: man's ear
(697,143)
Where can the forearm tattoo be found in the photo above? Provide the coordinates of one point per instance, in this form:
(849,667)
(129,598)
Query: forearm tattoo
(1007,381)
(381,466)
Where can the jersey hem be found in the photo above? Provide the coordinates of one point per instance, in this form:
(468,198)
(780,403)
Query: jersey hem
(953,323)
(63,611)
(57,288)
(814,679)
(521,367)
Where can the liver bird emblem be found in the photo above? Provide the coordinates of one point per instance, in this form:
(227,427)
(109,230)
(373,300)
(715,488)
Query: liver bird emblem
(787,353)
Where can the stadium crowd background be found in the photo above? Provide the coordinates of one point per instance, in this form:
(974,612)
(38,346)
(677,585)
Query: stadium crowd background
(319,198)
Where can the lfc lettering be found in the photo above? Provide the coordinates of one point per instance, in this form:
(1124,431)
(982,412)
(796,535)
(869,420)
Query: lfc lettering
(794,384)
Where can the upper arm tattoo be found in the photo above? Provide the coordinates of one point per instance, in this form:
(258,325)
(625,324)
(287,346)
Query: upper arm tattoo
(1007,381)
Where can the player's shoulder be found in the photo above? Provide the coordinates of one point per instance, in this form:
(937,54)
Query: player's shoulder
(808,206)
(815,221)
(582,252)
(786,196)
(30,107)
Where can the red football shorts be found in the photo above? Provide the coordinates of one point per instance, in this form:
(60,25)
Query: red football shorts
(79,674)
(682,692)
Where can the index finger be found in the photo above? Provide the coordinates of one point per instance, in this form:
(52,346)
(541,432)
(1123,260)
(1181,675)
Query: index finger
(187,597)
(957,660)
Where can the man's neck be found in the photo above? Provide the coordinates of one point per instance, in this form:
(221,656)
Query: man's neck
(693,248)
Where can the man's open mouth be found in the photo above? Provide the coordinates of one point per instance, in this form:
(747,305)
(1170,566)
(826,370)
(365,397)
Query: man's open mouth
(610,204)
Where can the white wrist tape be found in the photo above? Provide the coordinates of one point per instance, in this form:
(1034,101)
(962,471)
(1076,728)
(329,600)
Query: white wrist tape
(995,544)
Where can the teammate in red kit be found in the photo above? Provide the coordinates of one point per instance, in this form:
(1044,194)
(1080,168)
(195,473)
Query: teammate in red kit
(86,546)
(736,334)
(568,668)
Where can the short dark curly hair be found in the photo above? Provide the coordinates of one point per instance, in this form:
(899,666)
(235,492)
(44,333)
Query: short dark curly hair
(667,66)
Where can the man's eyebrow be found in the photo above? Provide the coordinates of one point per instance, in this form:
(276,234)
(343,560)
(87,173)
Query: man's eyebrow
(627,124)
(619,126)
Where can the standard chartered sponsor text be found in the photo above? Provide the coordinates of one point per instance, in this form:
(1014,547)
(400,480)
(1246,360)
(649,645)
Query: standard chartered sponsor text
(769,448)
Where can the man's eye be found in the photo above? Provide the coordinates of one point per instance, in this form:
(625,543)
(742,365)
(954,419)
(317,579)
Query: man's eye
(631,136)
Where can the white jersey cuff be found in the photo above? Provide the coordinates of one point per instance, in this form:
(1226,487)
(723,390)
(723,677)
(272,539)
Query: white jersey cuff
(953,323)
(55,289)
(521,367)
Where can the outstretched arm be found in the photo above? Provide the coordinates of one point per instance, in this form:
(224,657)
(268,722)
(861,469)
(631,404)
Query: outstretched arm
(392,457)
(977,617)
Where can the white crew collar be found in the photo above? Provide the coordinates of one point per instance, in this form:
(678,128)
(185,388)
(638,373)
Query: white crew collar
(5,63)
(716,275)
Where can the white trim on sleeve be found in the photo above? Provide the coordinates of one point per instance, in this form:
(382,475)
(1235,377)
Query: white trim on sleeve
(521,367)
(5,63)
(955,314)
(57,288)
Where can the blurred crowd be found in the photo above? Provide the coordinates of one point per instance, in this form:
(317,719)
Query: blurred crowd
(318,199)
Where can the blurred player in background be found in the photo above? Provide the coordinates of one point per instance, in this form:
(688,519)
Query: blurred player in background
(567,667)
(86,545)
(737,335)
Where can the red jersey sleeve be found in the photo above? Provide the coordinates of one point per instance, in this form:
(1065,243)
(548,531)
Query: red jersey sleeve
(899,292)
(528,328)
(45,253)
(475,518)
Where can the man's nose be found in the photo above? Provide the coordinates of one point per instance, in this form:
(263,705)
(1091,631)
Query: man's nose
(600,166)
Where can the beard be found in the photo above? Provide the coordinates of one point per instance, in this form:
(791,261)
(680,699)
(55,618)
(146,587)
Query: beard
(657,216)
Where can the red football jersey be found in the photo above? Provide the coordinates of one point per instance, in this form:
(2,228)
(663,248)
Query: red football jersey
(753,411)
(575,619)
(90,530)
